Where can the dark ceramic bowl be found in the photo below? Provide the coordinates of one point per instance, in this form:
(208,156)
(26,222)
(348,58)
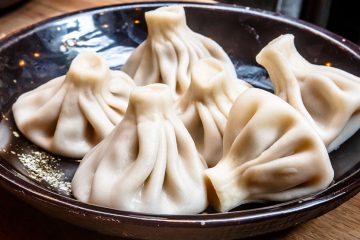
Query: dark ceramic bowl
(44,51)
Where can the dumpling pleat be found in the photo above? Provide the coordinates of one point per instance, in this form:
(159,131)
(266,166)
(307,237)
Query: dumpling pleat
(95,112)
(70,128)
(205,106)
(154,184)
(212,135)
(45,116)
(166,58)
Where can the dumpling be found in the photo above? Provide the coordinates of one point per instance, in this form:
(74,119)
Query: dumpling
(327,97)
(169,51)
(205,106)
(71,114)
(147,164)
(270,153)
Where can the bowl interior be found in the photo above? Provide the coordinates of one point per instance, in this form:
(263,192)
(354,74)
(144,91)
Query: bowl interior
(40,53)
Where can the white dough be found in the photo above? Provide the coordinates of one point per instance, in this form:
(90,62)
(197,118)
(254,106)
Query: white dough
(148,163)
(327,97)
(270,153)
(205,106)
(70,114)
(169,51)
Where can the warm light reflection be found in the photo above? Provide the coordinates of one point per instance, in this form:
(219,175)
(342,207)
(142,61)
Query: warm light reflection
(63,48)
(71,42)
(328,64)
(136,21)
(22,63)
(36,55)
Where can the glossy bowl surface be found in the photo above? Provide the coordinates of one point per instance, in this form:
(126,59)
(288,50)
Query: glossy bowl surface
(44,51)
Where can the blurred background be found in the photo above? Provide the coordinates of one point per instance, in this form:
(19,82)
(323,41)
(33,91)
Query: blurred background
(341,17)
(338,16)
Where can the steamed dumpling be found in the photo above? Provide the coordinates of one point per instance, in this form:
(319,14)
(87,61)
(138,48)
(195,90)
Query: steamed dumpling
(70,114)
(327,97)
(170,49)
(148,163)
(270,153)
(204,108)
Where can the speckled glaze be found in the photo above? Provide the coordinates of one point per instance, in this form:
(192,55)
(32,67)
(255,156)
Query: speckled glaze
(45,50)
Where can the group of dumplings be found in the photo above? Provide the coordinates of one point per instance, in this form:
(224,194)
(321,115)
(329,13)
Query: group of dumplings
(176,130)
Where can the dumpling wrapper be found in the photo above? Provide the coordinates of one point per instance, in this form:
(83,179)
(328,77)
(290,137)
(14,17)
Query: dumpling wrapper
(270,153)
(148,163)
(70,114)
(169,51)
(327,97)
(205,106)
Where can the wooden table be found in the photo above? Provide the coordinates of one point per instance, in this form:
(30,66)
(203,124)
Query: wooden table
(20,221)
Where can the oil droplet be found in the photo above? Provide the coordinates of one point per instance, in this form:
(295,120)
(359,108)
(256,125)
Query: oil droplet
(16,134)
(136,21)
(328,64)
(22,63)
(36,55)
(14,81)
(105,25)
(4,117)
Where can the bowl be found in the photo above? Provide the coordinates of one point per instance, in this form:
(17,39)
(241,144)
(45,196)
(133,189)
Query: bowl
(44,51)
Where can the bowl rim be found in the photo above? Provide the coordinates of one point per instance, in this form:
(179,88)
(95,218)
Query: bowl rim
(340,191)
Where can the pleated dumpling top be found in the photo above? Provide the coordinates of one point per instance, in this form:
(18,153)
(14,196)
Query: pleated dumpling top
(169,51)
(70,114)
(327,97)
(148,163)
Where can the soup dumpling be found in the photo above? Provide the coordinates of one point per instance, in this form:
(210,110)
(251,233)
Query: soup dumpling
(148,163)
(70,114)
(327,97)
(270,153)
(169,51)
